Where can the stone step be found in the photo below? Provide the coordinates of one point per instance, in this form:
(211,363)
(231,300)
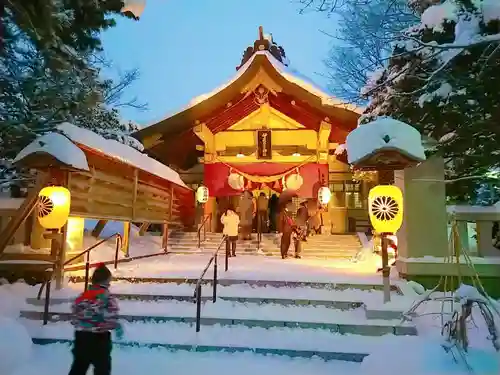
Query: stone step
(254,283)
(308,354)
(350,326)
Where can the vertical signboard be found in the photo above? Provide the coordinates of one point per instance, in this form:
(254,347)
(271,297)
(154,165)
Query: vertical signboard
(264,147)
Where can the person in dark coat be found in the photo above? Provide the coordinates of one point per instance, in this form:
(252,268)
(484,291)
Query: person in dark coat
(288,229)
(273,213)
(302,220)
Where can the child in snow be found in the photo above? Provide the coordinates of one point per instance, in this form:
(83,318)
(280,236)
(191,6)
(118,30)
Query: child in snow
(95,314)
(231,222)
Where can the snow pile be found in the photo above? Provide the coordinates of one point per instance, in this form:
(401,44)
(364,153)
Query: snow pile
(120,152)
(425,357)
(59,147)
(434,16)
(15,345)
(384,133)
(15,342)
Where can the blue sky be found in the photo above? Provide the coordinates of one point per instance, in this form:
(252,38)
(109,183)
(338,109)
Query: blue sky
(184,48)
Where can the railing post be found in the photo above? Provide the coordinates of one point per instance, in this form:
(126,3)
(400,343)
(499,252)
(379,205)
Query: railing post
(198,307)
(117,250)
(214,298)
(226,260)
(47,300)
(87,270)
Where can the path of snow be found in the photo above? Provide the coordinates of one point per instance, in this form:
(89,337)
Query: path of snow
(251,268)
(56,359)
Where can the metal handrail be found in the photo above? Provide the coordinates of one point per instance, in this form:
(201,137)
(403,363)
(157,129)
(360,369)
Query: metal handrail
(197,290)
(203,226)
(48,281)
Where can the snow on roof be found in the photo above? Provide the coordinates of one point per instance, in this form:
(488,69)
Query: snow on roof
(119,151)
(288,73)
(384,133)
(60,147)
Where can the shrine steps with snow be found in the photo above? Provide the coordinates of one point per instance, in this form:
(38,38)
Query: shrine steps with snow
(292,319)
(325,246)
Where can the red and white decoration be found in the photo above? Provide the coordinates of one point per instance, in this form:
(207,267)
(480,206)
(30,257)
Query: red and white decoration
(236,181)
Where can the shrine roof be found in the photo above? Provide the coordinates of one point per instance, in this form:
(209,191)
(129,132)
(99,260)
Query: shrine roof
(293,83)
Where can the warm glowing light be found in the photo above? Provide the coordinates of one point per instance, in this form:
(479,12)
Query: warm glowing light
(385,207)
(240,155)
(296,154)
(324,195)
(74,236)
(202,194)
(53,206)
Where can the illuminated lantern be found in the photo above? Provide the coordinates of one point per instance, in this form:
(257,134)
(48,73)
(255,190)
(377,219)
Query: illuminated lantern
(202,194)
(385,207)
(53,206)
(236,181)
(324,195)
(294,181)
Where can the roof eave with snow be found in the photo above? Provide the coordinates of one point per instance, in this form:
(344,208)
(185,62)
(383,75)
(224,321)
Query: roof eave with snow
(64,147)
(288,74)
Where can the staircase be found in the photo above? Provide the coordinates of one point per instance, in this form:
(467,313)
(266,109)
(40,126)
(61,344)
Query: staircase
(296,319)
(323,246)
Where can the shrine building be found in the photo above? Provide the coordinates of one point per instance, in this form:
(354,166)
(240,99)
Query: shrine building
(266,129)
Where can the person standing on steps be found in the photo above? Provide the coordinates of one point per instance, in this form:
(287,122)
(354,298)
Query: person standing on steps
(95,314)
(289,232)
(246,215)
(262,207)
(273,213)
(231,221)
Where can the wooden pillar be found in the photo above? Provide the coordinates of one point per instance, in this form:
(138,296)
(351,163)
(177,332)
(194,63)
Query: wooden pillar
(164,239)
(126,238)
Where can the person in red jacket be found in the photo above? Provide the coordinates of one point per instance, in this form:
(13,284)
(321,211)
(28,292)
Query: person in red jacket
(95,315)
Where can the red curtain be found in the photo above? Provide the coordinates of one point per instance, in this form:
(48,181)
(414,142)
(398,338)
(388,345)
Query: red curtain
(216,174)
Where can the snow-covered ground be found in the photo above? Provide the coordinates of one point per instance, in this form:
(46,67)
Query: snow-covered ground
(252,268)
(389,353)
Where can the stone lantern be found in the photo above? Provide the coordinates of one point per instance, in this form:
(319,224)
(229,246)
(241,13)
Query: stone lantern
(384,145)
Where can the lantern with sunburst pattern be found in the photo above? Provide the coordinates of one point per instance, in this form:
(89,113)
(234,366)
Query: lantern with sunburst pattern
(385,207)
(53,207)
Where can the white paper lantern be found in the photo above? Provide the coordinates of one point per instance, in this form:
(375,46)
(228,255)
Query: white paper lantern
(236,181)
(324,195)
(202,194)
(294,182)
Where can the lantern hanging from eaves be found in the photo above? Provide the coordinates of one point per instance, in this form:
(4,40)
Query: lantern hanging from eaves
(293,181)
(324,195)
(202,194)
(236,181)
(385,207)
(53,207)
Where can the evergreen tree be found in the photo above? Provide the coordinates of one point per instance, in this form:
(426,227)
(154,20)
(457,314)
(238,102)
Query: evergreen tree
(49,71)
(443,78)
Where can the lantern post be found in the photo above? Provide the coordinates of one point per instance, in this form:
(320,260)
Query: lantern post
(395,146)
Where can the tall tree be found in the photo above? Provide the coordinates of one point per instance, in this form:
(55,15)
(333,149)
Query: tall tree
(49,71)
(443,78)
(364,32)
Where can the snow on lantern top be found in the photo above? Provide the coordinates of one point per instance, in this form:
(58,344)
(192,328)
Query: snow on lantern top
(264,43)
(385,143)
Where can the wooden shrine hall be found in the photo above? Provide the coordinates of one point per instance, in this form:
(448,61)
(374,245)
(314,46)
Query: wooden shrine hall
(266,129)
